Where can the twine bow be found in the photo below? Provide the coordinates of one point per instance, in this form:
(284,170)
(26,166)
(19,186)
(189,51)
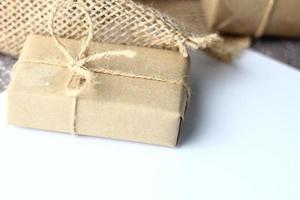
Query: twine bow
(82,75)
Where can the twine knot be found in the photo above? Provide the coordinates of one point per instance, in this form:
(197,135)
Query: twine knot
(79,68)
(82,76)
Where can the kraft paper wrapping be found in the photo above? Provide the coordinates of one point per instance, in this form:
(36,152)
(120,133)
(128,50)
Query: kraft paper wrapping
(114,107)
(191,15)
(186,12)
(245,17)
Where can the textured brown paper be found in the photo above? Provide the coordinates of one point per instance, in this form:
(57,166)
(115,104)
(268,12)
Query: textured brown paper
(116,107)
(244,17)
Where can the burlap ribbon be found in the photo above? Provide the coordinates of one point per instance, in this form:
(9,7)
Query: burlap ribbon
(265,19)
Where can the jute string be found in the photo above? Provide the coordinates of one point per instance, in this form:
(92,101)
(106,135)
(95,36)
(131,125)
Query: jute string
(82,76)
(265,19)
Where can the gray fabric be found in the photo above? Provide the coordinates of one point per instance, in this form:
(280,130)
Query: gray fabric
(5,65)
(285,50)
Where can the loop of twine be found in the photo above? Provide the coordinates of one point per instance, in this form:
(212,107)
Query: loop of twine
(265,19)
(78,65)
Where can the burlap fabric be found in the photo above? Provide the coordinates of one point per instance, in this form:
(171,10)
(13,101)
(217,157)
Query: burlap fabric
(115,21)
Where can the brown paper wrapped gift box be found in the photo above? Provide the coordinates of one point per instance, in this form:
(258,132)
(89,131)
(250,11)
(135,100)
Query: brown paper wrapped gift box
(254,17)
(189,14)
(117,107)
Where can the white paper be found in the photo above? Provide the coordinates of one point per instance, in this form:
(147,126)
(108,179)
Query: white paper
(240,140)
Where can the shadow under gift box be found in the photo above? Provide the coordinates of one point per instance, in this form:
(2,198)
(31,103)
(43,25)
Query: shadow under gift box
(117,107)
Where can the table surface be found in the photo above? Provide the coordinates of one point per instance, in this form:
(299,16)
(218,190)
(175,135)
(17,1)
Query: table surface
(283,49)
(240,140)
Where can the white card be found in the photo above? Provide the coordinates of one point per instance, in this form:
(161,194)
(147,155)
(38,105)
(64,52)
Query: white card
(240,140)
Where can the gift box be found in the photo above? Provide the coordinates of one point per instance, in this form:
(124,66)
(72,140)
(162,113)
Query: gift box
(191,15)
(141,97)
(257,18)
